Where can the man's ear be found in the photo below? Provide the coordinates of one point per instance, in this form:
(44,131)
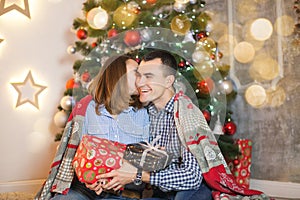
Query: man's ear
(170,80)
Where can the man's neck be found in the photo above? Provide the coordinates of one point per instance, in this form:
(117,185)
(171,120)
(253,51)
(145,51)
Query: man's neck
(162,102)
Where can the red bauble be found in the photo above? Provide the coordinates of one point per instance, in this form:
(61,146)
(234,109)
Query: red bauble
(70,83)
(112,32)
(206,115)
(132,38)
(94,44)
(206,86)
(236,162)
(82,34)
(151,1)
(181,64)
(85,77)
(229,128)
(201,35)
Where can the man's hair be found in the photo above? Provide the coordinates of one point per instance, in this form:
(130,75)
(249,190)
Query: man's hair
(166,58)
(110,86)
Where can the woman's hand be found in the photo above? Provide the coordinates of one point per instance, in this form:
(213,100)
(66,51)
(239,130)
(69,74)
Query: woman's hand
(120,177)
(97,186)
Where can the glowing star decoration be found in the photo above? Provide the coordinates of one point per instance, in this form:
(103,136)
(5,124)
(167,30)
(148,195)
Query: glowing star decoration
(28,91)
(16,7)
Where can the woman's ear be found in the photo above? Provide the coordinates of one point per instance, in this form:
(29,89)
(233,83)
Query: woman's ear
(170,80)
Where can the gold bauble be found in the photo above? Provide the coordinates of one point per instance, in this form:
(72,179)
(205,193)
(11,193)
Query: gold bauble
(123,16)
(180,24)
(207,43)
(202,20)
(203,70)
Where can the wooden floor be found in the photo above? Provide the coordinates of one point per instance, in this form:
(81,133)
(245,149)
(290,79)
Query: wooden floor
(30,196)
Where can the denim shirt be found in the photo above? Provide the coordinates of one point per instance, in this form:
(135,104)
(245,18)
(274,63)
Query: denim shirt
(130,126)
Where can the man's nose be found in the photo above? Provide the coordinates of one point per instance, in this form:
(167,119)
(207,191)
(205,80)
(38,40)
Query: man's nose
(140,81)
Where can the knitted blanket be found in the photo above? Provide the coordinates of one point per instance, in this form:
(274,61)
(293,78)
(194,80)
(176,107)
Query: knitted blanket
(61,173)
(197,136)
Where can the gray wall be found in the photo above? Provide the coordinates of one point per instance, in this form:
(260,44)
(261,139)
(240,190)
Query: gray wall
(275,132)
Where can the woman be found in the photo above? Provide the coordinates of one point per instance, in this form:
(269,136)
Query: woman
(112,112)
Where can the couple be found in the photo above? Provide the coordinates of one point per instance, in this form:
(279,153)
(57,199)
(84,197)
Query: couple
(114,112)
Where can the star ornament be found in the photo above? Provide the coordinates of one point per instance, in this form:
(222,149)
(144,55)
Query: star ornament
(28,91)
(25,11)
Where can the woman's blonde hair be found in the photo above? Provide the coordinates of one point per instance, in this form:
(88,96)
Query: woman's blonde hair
(110,87)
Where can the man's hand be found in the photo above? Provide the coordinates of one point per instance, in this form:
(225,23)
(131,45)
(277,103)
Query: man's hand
(120,177)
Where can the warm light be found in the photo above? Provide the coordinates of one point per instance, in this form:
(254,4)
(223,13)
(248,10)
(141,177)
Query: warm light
(256,96)
(225,42)
(97,18)
(244,52)
(21,6)
(264,68)
(28,91)
(261,29)
(284,25)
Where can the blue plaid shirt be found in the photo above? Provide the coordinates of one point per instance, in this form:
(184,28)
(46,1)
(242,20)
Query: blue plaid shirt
(184,172)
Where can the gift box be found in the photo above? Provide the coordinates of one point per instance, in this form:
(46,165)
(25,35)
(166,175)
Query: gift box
(147,157)
(240,166)
(96,156)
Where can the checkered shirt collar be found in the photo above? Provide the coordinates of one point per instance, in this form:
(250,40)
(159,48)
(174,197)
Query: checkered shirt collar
(169,108)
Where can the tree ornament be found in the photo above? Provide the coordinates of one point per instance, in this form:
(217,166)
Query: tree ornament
(179,7)
(67,102)
(71,50)
(180,24)
(60,119)
(86,77)
(229,128)
(182,1)
(203,70)
(202,20)
(151,1)
(124,17)
(226,86)
(236,162)
(94,44)
(97,18)
(82,34)
(181,64)
(218,129)
(132,38)
(207,43)
(205,86)
(206,115)
(70,83)
(200,35)
(112,32)
(200,56)
(146,35)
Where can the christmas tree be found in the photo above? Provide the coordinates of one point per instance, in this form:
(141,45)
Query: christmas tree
(181,26)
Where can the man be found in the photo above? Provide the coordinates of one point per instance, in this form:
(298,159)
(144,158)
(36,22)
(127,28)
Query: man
(182,179)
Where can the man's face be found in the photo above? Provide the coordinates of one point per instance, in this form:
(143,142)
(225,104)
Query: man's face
(152,83)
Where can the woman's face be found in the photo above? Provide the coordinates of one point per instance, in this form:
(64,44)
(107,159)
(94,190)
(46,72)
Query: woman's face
(131,66)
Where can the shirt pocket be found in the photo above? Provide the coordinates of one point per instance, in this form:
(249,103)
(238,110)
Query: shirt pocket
(99,130)
(132,129)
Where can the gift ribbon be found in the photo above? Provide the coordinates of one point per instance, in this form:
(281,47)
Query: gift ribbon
(150,147)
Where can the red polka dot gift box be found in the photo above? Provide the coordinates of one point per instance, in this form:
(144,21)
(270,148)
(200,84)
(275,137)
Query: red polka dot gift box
(240,166)
(96,156)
